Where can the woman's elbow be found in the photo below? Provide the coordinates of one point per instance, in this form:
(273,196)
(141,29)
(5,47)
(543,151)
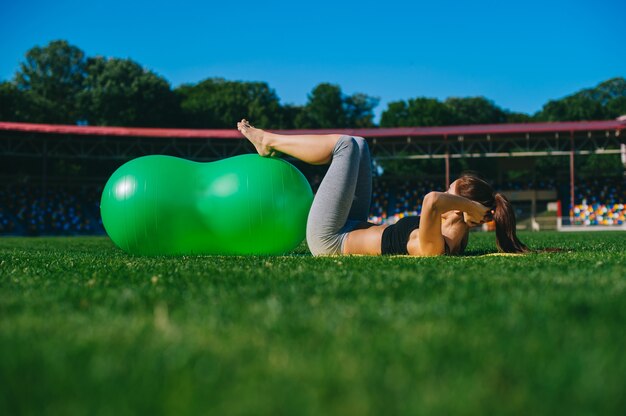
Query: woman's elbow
(431,250)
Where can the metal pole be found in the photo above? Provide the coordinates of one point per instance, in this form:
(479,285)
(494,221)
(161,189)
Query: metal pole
(533,210)
(445,138)
(44,173)
(571,177)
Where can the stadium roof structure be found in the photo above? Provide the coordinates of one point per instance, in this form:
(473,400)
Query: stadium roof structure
(491,140)
(444,142)
(480,129)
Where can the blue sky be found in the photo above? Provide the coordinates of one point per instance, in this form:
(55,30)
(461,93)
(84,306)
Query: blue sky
(519,54)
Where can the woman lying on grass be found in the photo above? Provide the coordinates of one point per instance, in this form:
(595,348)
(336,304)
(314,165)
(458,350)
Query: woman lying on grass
(337,222)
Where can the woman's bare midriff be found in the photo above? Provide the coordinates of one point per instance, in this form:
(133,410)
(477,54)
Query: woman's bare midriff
(365,239)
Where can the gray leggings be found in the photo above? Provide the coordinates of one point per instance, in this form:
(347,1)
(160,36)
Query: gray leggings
(343,199)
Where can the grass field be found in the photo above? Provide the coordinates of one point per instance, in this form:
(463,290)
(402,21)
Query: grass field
(87,329)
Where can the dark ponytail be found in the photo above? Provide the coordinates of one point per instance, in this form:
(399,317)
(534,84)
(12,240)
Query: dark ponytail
(478,190)
(504,217)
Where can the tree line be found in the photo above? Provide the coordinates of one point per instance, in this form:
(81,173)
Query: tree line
(59,84)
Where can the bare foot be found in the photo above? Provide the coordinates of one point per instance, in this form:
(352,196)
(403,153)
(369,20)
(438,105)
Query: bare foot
(256,137)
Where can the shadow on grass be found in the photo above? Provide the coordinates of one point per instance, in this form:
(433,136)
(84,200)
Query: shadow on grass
(478,253)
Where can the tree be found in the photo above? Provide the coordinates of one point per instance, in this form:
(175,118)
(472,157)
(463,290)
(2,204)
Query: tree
(417,112)
(606,91)
(119,92)
(51,79)
(328,107)
(475,110)
(11,102)
(288,116)
(595,165)
(359,109)
(217,103)
(616,107)
(612,95)
(572,108)
(605,101)
(324,109)
(514,117)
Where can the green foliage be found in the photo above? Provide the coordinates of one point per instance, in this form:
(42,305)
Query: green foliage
(547,167)
(217,103)
(411,168)
(359,109)
(417,112)
(605,101)
(288,116)
(595,165)
(324,109)
(86,329)
(616,107)
(119,92)
(453,111)
(606,91)
(51,78)
(513,117)
(475,110)
(572,108)
(11,102)
(328,107)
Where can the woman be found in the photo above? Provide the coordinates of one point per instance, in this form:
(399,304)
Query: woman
(337,223)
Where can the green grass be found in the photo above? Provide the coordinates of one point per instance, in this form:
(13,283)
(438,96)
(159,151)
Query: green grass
(87,329)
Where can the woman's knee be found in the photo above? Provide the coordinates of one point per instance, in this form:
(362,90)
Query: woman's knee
(348,145)
(362,144)
(360,141)
(321,245)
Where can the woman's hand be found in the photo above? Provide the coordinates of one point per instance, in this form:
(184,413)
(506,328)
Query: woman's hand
(477,214)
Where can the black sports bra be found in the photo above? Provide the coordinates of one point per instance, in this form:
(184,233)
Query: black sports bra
(396,236)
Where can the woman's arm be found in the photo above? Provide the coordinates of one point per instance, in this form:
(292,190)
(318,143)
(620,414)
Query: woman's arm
(431,242)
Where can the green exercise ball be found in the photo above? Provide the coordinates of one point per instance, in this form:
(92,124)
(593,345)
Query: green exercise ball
(163,205)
